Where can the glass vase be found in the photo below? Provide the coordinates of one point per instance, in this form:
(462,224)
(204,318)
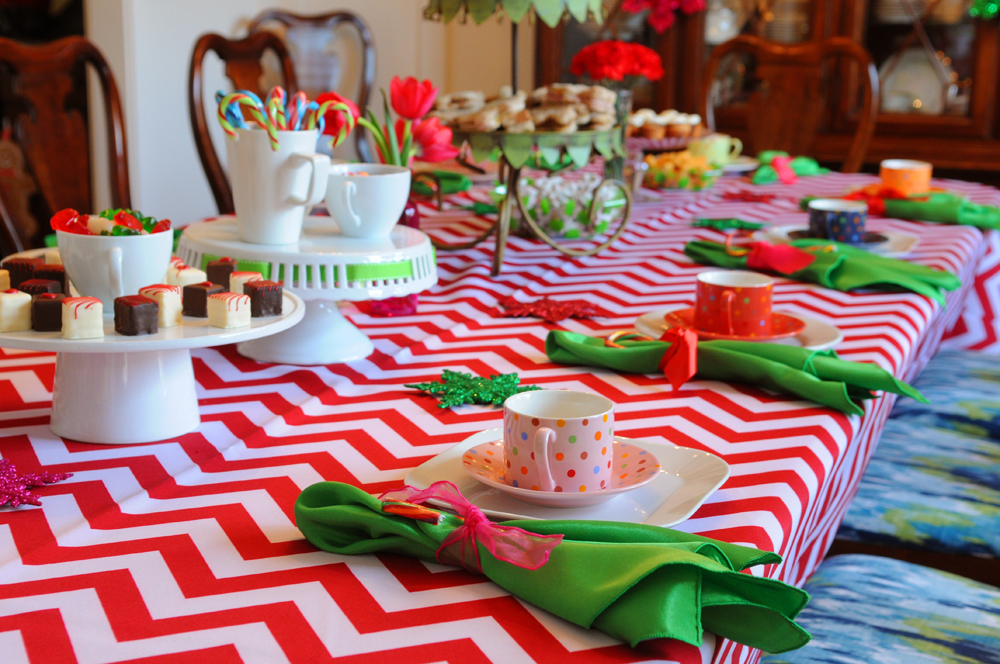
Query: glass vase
(614,168)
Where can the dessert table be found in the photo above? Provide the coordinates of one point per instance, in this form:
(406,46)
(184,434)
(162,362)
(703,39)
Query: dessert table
(186,550)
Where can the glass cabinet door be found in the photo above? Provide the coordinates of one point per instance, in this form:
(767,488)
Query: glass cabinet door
(925,52)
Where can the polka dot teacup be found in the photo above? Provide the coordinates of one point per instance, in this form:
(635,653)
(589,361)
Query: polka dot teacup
(839,220)
(734,303)
(557,440)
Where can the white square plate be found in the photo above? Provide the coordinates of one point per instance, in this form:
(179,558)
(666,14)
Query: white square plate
(688,477)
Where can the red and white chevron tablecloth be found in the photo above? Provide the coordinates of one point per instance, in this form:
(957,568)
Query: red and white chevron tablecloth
(186,550)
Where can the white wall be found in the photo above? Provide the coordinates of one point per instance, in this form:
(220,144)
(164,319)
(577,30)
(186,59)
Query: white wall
(148,44)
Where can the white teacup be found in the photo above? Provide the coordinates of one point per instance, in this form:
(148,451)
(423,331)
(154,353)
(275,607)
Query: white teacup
(273,188)
(368,205)
(107,267)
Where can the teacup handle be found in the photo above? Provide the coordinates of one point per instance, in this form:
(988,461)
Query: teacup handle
(544,437)
(115,271)
(736,147)
(349,191)
(727,303)
(320,165)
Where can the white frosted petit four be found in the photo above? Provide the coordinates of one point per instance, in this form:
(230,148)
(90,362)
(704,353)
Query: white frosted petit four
(4,280)
(169,299)
(82,318)
(15,311)
(237,279)
(52,257)
(227,310)
(182,275)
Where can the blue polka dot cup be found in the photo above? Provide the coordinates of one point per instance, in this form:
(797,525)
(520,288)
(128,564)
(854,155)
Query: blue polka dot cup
(558,440)
(839,220)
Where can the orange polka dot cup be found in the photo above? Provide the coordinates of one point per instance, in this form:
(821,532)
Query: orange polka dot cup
(906,176)
(558,440)
(734,303)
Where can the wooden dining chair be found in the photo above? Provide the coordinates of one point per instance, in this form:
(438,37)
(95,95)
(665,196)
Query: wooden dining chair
(45,108)
(242,58)
(789,91)
(309,40)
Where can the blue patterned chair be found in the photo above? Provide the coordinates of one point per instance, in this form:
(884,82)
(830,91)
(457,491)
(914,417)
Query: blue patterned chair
(933,483)
(878,610)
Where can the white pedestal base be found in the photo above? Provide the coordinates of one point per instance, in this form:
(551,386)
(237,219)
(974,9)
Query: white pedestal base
(323,336)
(119,398)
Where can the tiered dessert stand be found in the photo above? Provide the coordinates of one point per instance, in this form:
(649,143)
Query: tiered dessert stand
(322,268)
(120,389)
(519,150)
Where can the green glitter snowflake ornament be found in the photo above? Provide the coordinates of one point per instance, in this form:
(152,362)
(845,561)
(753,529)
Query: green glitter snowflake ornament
(456,389)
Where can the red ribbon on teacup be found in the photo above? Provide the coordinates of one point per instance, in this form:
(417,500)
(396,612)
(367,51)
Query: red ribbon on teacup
(781,258)
(461,547)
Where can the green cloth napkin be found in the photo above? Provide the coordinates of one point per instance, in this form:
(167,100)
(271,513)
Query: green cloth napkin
(451,183)
(631,581)
(818,376)
(845,269)
(803,166)
(943,208)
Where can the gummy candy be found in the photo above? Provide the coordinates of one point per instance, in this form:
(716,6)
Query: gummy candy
(127,220)
(123,230)
(161,226)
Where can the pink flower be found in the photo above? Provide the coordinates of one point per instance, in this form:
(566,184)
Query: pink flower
(431,141)
(411,99)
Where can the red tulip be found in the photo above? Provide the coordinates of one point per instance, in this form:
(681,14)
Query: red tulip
(431,141)
(335,120)
(411,99)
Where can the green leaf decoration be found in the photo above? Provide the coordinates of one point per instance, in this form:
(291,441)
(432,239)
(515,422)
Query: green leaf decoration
(578,9)
(480,10)
(517,9)
(456,389)
(482,145)
(550,11)
(602,143)
(517,148)
(450,9)
(579,148)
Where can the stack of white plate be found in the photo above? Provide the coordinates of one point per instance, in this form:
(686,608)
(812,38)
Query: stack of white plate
(789,21)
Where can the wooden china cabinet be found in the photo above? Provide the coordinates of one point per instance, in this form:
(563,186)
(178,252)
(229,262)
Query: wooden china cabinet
(940,96)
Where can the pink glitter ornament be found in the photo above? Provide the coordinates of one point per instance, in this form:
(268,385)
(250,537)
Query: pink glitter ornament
(14,487)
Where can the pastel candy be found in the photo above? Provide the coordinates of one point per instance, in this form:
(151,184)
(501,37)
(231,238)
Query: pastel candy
(169,300)
(15,311)
(237,279)
(184,275)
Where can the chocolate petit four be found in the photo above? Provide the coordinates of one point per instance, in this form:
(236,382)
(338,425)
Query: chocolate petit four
(168,298)
(46,312)
(218,271)
(228,310)
(15,311)
(53,273)
(196,298)
(135,315)
(180,274)
(36,286)
(20,269)
(4,280)
(82,318)
(237,279)
(265,298)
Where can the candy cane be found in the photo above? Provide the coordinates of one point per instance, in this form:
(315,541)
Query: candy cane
(321,114)
(234,118)
(296,108)
(256,114)
(276,113)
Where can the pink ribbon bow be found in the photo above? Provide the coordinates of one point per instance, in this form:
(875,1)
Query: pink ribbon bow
(460,547)
(784,171)
(783,258)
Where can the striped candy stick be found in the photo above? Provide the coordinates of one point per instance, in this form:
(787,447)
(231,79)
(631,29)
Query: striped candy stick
(276,114)
(320,114)
(296,109)
(256,114)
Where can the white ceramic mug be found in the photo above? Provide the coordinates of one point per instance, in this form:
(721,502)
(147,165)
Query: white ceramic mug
(558,440)
(367,205)
(718,149)
(107,267)
(273,188)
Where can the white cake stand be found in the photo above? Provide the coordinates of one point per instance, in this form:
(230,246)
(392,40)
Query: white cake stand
(141,389)
(322,268)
